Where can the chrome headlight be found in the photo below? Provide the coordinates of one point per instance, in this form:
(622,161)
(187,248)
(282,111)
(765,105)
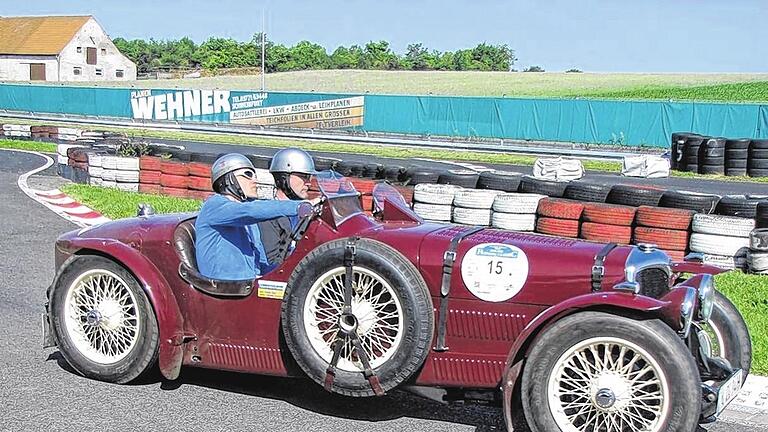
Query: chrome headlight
(706,297)
(687,309)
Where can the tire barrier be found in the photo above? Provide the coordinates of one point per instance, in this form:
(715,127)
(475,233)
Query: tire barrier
(635,195)
(743,206)
(434,201)
(560,208)
(558,227)
(463,178)
(584,191)
(475,198)
(433,212)
(660,217)
(610,214)
(472,216)
(517,203)
(174,167)
(667,239)
(17,131)
(757,256)
(507,181)
(529,184)
(724,240)
(702,203)
(513,221)
(606,233)
(719,156)
(761,215)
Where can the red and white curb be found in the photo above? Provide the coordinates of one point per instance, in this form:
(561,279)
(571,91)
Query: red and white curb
(57,201)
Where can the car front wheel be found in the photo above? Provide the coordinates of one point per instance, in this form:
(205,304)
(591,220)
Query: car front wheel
(596,371)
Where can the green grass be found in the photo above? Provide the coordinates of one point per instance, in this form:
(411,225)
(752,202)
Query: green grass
(117,204)
(28,145)
(510,84)
(719,177)
(750,295)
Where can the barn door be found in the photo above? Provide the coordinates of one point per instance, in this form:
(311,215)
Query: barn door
(37,71)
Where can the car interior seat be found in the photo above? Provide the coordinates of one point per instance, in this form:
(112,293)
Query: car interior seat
(184,242)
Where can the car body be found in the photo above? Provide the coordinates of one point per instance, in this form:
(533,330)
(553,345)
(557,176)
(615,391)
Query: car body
(506,291)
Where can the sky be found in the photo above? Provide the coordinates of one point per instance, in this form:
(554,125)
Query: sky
(591,35)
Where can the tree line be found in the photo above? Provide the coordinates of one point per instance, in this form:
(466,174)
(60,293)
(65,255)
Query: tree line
(219,53)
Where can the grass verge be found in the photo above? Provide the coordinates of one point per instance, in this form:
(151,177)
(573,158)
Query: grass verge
(748,292)
(28,145)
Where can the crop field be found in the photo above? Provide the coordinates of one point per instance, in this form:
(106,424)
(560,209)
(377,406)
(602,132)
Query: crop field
(714,87)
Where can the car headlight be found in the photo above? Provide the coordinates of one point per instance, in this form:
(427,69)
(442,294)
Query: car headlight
(706,297)
(687,309)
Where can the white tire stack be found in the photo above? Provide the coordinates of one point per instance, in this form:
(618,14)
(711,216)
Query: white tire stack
(95,169)
(757,257)
(515,211)
(433,202)
(724,240)
(119,172)
(473,206)
(17,131)
(61,153)
(68,134)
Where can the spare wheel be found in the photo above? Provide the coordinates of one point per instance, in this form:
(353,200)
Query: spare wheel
(390,302)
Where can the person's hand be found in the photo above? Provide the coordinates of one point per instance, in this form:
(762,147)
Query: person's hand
(316,201)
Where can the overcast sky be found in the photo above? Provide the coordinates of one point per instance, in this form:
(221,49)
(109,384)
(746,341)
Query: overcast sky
(592,35)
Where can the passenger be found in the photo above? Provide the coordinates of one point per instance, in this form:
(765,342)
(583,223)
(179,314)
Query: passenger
(228,243)
(292,169)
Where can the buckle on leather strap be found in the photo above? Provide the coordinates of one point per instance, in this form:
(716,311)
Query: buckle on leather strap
(449,255)
(598,271)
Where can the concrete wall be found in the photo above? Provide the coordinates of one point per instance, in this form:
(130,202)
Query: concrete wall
(108,59)
(16,68)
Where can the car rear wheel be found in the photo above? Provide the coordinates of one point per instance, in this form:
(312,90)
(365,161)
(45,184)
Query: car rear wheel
(391,312)
(104,325)
(596,371)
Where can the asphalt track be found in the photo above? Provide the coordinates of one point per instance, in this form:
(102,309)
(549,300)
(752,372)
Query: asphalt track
(38,390)
(678,183)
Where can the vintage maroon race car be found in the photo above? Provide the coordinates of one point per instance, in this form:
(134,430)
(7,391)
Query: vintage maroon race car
(578,336)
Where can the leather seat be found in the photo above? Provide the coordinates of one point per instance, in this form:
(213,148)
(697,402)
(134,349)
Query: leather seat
(184,241)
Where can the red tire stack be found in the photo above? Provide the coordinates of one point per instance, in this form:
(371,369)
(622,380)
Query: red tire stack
(174,178)
(608,223)
(199,180)
(667,228)
(149,174)
(559,217)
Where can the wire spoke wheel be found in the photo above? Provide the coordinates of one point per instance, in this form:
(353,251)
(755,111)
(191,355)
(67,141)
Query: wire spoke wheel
(377,311)
(608,384)
(101,316)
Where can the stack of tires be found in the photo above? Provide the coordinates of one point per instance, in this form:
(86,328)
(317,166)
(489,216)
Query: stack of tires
(608,223)
(677,148)
(559,217)
(21,132)
(67,134)
(463,178)
(712,156)
(736,153)
(698,202)
(757,164)
(667,228)
(635,195)
(724,240)
(174,175)
(757,257)
(44,133)
(505,181)
(690,154)
(473,206)
(149,174)
(433,202)
(77,161)
(199,181)
(515,211)
(120,172)
(530,184)
(95,168)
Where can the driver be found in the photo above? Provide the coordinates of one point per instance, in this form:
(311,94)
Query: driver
(292,169)
(228,241)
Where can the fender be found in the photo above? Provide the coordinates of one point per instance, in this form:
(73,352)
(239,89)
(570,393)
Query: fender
(611,300)
(169,319)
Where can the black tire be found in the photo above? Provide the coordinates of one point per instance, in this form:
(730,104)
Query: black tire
(761,144)
(373,170)
(419,175)
(712,169)
(350,168)
(758,153)
(757,163)
(635,196)
(179,155)
(732,340)
(694,168)
(463,178)
(394,173)
(736,172)
(744,206)
(584,191)
(757,172)
(260,161)
(736,154)
(677,372)
(409,288)
(506,181)
(702,203)
(761,215)
(323,164)
(736,144)
(529,184)
(144,352)
(735,163)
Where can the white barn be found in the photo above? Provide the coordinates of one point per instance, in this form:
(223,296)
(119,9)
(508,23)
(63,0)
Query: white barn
(60,48)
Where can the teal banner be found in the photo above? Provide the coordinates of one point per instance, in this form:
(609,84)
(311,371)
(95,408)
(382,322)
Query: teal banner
(631,123)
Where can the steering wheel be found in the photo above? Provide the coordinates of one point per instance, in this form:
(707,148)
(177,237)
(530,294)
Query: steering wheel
(306,212)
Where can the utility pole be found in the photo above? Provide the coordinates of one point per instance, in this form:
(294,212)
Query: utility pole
(263,41)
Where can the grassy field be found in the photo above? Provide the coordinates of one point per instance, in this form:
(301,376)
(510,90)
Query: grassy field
(748,292)
(719,87)
(28,145)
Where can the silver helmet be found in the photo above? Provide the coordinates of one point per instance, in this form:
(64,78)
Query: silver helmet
(228,163)
(292,160)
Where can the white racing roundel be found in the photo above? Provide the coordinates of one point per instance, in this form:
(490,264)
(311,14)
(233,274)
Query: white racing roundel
(494,272)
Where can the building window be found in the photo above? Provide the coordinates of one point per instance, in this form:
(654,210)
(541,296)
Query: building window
(103,51)
(90,55)
(119,73)
(78,71)
(98,72)
(79,49)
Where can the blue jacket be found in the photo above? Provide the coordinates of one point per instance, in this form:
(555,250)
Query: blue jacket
(228,245)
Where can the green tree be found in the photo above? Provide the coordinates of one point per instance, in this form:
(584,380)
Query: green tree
(307,55)
(378,55)
(417,58)
(534,68)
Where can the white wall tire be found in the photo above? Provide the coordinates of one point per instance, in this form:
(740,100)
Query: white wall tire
(475,198)
(438,194)
(513,222)
(472,216)
(718,244)
(519,203)
(433,212)
(722,225)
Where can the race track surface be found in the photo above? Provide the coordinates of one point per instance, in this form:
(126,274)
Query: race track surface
(39,391)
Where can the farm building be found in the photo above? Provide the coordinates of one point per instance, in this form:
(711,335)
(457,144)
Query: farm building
(59,48)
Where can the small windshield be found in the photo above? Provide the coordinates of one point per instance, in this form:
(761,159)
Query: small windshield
(343,198)
(386,193)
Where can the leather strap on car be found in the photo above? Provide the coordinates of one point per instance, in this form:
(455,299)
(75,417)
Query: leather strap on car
(598,269)
(449,257)
(350,251)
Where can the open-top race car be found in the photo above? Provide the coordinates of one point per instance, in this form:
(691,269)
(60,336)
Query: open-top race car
(578,336)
